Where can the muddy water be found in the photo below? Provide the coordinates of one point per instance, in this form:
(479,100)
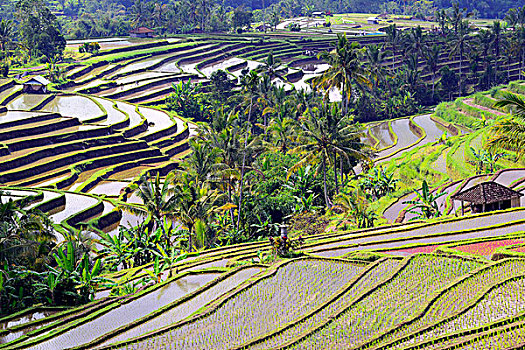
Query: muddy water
(186,309)
(157,120)
(208,70)
(9,91)
(22,320)
(11,116)
(134,118)
(142,76)
(114,116)
(127,313)
(27,101)
(506,178)
(74,106)
(142,64)
(74,204)
(405,136)
(109,188)
(433,130)
(382,133)
(469,223)
(492,232)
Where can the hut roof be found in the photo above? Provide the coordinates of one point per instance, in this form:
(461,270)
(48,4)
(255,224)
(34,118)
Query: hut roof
(37,80)
(141,30)
(485,193)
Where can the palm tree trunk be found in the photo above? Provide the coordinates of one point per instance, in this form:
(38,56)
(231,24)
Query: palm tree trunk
(239,207)
(190,239)
(327,201)
(335,174)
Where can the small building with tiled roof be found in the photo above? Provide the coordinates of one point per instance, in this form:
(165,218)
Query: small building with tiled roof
(36,84)
(488,196)
(142,32)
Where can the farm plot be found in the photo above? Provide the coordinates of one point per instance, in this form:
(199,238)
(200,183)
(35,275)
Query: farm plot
(295,288)
(126,313)
(390,304)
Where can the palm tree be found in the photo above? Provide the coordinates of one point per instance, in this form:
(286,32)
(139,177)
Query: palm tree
(460,44)
(157,205)
(271,67)
(416,41)
(442,19)
(6,33)
(282,130)
(357,206)
(509,133)
(324,133)
(496,41)
(432,63)
(375,57)
(457,16)
(195,203)
(26,235)
(346,69)
(395,39)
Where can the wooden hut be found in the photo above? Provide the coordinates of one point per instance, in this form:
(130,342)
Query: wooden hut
(37,84)
(142,32)
(488,196)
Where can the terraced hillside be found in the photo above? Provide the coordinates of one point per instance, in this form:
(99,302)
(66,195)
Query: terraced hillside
(449,283)
(78,153)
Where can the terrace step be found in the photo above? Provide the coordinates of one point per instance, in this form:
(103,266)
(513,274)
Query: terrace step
(14,160)
(73,158)
(92,163)
(37,128)
(13,119)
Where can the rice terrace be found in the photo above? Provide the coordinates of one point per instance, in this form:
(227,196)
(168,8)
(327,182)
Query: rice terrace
(262,174)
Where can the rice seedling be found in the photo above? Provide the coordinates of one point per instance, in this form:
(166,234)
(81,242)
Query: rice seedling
(394,302)
(459,308)
(295,289)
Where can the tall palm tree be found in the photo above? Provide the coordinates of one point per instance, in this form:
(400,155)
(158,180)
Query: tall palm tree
(416,41)
(26,235)
(195,204)
(323,134)
(346,69)
(432,63)
(375,57)
(509,133)
(7,32)
(457,16)
(395,39)
(157,203)
(460,44)
(496,41)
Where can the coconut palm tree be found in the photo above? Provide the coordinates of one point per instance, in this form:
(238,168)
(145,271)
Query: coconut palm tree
(375,57)
(509,133)
(432,63)
(457,16)
(26,235)
(323,134)
(157,204)
(195,204)
(7,32)
(460,44)
(346,70)
(395,39)
(496,41)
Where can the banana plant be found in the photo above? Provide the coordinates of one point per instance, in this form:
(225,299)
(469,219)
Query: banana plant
(425,206)
(169,256)
(158,271)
